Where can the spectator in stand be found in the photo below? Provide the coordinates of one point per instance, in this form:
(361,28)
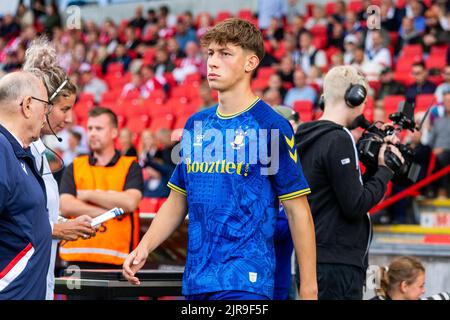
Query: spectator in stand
(443,87)
(391,17)
(184,34)
(318,18)
(309,55)
(9,28)
(337,59)
(138,21)
(267,9)
(147,146)
(152,18)
(74,147)
(435,34)
(91,83)
(120,56)
(25,16)
(440,144)
(205,21)
(378,53)
(301,91)
(162,63)
(350,44)
(286,69)
(206,97)
(273,98)
(415,10)
(315,79)
(126,142)
(353,26)
(275,83)
(388,86)
(158,167)
(190,64)
(131,40)
(370,69)
(135,86)
(407,35)
(174,51)
(275,30)
(336,39)
(52,19)
(340,12)
(421,85)
(150,81)
(164,14)
(298,26)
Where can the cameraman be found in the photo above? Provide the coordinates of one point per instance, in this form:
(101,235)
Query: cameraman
(340,200)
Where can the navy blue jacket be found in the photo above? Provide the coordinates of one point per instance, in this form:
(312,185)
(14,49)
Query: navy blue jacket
(25,232)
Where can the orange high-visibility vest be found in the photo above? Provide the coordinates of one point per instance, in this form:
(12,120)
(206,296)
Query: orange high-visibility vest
(115,238)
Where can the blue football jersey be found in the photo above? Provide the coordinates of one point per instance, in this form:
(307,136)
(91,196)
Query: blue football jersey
(234,170)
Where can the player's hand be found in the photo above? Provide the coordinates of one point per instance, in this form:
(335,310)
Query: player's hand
(133,263)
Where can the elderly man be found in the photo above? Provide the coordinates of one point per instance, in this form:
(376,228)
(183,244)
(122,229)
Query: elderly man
(24,226)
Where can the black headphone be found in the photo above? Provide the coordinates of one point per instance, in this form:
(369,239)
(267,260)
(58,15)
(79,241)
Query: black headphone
(354,96)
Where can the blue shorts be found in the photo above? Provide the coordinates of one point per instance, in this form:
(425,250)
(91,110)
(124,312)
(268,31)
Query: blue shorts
(227,295)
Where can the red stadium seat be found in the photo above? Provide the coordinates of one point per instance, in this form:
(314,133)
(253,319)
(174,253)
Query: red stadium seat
(84,96)
(369,108)
(438,61)
(319,30)
(259,84)
(404,77)
(438,50)
(305,109)
(115,68)
(149,205)
(330,8)
(82,108)
(423,101)
(405,63)
(162,122)
(265,72)
(137,124)
(355,6)
(320,42)
(181,122)
(223,15)
(391,103)
(412,50)
(245,14)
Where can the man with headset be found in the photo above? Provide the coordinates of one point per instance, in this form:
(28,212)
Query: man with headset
(341,197)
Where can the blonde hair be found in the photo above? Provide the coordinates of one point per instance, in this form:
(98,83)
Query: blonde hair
(338,80)
(401,269)
(41,55)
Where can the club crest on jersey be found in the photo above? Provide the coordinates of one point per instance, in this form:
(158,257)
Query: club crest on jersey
(239,139)
(198,140)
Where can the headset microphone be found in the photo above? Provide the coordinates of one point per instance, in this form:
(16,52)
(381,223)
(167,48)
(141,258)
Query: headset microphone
(51,129)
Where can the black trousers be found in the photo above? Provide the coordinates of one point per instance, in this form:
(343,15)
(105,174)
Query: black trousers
(442,161)
(340,282)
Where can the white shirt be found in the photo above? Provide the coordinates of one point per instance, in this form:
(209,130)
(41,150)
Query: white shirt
(38,149)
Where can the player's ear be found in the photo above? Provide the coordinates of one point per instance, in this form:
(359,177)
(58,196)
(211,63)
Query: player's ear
(251,63)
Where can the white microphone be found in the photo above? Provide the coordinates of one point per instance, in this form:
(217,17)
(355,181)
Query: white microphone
(114,212)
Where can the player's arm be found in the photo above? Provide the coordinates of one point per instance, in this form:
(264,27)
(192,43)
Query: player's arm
(302,230)
(167,220)
(70,206)
(128,200)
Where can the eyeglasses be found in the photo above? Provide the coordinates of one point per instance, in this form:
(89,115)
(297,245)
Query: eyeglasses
(47,104)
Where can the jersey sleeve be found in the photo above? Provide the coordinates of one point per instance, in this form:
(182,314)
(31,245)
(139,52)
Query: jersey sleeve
(288,181)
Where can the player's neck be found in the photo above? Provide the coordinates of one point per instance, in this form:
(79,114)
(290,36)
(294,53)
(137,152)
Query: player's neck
(235,101)
(335,115)
(104,156)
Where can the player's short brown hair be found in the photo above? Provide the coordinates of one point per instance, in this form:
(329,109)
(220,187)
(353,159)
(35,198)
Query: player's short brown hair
(237,32)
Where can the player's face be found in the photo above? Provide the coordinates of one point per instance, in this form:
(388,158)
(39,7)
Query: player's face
(226,66)
(101,133)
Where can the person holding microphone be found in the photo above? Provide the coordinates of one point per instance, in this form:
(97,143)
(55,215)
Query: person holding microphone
(41,55)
